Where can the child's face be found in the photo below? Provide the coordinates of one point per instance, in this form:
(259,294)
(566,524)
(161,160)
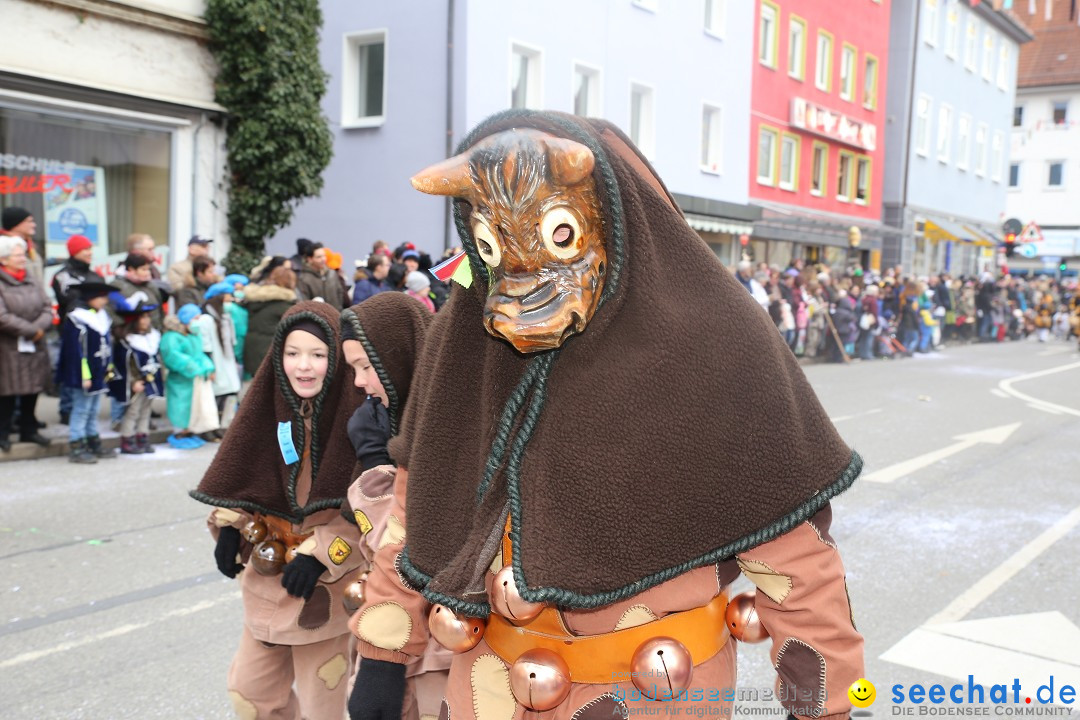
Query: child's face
(305,361)
(98,303)
(143,323)
(140,274)
(367,379)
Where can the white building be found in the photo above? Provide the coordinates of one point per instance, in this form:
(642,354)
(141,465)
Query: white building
(1044,172)
(108,124)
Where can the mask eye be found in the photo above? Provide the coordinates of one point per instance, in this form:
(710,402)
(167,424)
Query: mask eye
(561,232)
(486,244)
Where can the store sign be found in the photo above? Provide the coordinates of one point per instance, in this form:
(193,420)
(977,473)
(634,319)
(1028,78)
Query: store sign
(48,174)
(819,120)
(78,209)
(10,185)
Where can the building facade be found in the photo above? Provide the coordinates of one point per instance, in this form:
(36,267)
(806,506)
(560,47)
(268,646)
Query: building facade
(407,85)
(108,124)
(952,82)
(1044,169)
(820,73)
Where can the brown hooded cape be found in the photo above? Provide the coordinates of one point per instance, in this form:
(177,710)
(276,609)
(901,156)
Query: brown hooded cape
(676,430)
(249,471)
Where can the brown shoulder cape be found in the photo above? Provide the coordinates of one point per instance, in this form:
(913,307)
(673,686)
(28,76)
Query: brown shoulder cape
(676,430)
(249,471)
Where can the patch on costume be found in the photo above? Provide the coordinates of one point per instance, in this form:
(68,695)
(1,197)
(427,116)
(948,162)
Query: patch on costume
(362,522)
(223,517)
(244,708)
(339,550)
(605,707)
(386,625)
(802,677)
(767,580)
(497,563)
(635,615)
(444,711)
(727,572)
(491,694)
(333,670)
(394,533)
(316,611)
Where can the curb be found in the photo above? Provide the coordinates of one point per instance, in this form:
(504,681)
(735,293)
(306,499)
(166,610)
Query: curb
(59,448)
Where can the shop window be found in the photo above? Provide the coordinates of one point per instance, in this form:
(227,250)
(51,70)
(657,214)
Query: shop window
(712,139)
(586,91)
(363,94)
(797,47)
(767,41)
(766,162)
(86,177)
(526,89)
(641,119)
(820,170)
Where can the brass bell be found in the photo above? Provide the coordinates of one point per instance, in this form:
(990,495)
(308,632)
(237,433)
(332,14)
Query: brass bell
(742,619)
(268,558)
(353,595)
(507,601)
(454,632)
(662,668)
(254,532)
(290,553)
(540,679)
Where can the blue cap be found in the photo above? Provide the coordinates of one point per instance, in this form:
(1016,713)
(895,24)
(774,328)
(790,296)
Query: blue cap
(188,312)
(410,254)
(218,288)
(237,279)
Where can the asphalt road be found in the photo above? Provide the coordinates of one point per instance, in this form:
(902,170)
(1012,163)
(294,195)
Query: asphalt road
(961,561)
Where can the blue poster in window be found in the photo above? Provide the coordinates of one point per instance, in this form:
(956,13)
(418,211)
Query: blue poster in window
(77,207)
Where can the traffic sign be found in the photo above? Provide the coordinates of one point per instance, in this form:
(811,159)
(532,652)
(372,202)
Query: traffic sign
(1031,233)
(1012,225)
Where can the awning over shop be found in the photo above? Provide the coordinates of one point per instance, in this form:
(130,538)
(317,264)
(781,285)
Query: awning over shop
(938,229)
(809,228)
(707,223)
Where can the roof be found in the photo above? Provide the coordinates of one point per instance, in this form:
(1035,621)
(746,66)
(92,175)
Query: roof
(1054,56)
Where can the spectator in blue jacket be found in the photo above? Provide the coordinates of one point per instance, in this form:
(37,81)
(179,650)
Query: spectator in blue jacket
(372,280)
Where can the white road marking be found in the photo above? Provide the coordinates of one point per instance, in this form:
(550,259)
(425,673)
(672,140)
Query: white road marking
(994,436)
(849,417)
(1052,411)
(116,632)
(1007,386)
(999,392)
(997,577)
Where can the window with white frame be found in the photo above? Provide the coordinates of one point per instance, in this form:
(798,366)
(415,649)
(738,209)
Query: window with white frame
(767,45)
(980,149)
(712,139)
(922,125)
(843,176)
(525,77)
(862,180)
(963,142)
(971,44)
(766,155)
(1003,65)
(823,70)
(1056,177)
(952,30)
(819,171)
(870,82)
(789,162)
(988,55)
(587,92)
(944,133)
(796,48)
(642,130)
(363,96)
(848,56)
(997,155)
(1014,175)
(931,21)
(715,11)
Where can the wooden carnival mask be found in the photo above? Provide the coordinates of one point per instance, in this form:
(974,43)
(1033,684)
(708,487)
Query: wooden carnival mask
(536,222)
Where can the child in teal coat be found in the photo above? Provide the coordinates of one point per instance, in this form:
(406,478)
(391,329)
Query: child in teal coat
(182,354)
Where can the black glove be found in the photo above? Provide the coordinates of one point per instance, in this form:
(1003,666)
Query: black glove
(369,432)
(379,691)
(299,576)
(228,544)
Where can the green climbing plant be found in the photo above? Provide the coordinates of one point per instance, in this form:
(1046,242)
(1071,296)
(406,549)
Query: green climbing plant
(270,81)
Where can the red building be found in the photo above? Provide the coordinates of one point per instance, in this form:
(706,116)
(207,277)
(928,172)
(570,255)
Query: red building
(816,131)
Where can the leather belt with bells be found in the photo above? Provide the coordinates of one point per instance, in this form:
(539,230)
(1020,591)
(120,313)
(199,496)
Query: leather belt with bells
(606,658)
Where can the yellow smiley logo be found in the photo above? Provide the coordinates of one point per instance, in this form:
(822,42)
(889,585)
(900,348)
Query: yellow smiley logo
(862,693)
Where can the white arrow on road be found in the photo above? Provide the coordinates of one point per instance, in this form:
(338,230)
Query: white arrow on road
(993,436)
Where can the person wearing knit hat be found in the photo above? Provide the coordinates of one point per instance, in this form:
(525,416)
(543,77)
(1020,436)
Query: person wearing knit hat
(183,356)
(19,221)
(219,338)
(76,270)
(277,485)
(416,286)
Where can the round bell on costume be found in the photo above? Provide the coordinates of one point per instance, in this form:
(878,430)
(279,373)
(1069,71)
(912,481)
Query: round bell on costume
(290,553)
(742,619)
(507,601)
(353,595)
(540,679)
(662,668)
(268,558)
(254,532)
(454,632)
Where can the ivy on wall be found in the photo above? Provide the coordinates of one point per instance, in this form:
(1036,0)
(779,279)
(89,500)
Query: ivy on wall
(270,81)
